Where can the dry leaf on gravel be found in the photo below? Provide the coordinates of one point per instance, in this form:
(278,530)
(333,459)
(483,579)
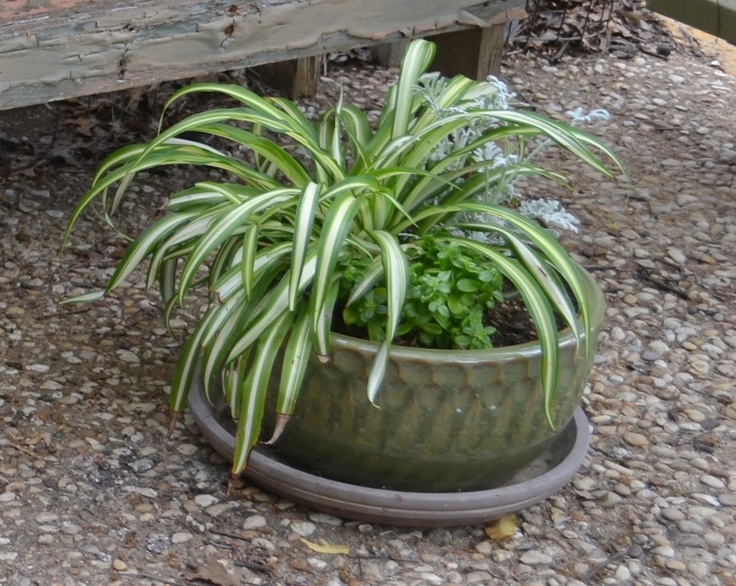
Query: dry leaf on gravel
(502,529)
(218,571)
(326,548)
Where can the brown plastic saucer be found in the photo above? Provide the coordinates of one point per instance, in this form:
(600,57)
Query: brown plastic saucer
(534,483)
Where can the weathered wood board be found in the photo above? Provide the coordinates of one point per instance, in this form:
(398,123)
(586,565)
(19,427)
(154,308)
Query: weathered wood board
(717,17)
(54,49)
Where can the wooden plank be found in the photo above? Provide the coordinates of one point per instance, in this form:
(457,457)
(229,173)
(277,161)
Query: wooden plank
(717,17)
(61,48)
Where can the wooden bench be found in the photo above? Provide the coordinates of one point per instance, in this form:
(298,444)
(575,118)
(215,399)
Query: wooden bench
(717,17)
(57,49)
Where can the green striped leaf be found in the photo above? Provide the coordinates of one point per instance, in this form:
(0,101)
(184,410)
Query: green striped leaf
(288,165)
(186,367)
(248,260)
(253,397)
(273,304)
(218,336)
(233,377)
(543,272)
(303,234)
(322,321)
(95,295)
(369,280)
(233,280)
(417,58)
(296,358)
(224,228)
(557,255)
(396,272)
(336,227)
(541,313)
(144,245)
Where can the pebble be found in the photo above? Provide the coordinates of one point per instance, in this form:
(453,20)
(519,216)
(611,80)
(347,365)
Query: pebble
(187,449)
(303,528)
(206,500)
(181,537)
(665,551)
(677,255)
(727,499)
(635,439)
(712,481)
(484,548)
(254,522)
(326,519)
(157,543)
(263,543)
(673,514)
(535,558)
(655,350)
(622,574)
(142,465)
(40,368)
(119,565)
(128,356)
(69,528)
(687,526)
(141,490)
(217,510)
(477,577)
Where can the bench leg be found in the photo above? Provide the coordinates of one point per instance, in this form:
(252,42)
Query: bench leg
(475,53)
(390,54)
(294,79)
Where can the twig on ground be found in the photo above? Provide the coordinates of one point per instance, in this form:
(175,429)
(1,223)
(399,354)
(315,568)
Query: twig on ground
(167,581)
(253,566)
(226,534)
(661,283)
(602,566)
(27,452)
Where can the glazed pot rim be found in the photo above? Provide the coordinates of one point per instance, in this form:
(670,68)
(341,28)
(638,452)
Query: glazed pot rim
(528,349)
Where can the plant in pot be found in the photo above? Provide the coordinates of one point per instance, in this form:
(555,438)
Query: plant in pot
(356,273)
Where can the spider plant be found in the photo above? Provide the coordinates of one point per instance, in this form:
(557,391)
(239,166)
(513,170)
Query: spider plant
(267,242)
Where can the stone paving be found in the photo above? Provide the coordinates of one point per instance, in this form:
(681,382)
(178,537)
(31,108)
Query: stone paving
(93,490)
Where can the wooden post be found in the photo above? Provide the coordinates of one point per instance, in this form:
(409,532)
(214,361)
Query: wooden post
(296,78)
(474,53)
(390,54)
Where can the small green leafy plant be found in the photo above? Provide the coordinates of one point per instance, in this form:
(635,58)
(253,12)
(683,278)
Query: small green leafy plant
(450,290)
(305,204)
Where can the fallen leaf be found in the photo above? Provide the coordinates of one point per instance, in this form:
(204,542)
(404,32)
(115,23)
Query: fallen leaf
(220,572)
(83,124)
(502,529)
(331,549)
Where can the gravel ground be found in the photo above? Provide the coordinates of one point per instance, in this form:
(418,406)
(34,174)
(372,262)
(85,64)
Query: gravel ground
(93,491)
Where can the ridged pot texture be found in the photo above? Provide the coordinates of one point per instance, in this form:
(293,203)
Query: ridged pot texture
(446,420)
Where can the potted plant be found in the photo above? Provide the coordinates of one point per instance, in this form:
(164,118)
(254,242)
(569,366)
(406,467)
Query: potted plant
(338,254)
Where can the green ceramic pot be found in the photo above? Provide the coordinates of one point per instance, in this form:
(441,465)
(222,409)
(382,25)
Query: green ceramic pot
(448,420)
